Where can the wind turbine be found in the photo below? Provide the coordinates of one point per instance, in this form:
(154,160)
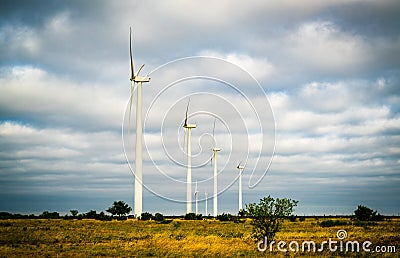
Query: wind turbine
(189,128)
(240,167)
(196,199)
(135,78)
(215,197)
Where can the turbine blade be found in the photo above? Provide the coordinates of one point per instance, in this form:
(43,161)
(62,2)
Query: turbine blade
(187,110)
(130,53)
(141,67)
(130,107)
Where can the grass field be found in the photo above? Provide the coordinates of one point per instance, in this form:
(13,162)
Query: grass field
(179,238)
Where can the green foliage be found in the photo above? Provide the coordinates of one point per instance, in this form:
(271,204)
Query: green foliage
(268,215)
(225,217)
(193,216)
(333,223)
(242,213)
(302,218)
(146,216)
(158,217)
(364,213)
(365,224)
(119,208)
(92,214)
(49,215)
(74,213)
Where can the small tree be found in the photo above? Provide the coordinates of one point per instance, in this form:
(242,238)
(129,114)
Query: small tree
(74,213)
(146,216)
(364,213)
(268,214)
(92,214)
(119,208)
(158,217)
(190,216)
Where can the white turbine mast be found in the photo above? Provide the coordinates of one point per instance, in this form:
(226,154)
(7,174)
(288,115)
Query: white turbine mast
(214,157)
(189,128)
(240,167)
(135,78)
(196,199)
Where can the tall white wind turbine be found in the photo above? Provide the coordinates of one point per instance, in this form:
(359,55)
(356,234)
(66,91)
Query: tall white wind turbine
(215,196)
(189,128)
(135,78)
(240,167)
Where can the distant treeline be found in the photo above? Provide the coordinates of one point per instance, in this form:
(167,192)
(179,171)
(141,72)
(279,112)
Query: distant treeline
(55,215)
(92,214)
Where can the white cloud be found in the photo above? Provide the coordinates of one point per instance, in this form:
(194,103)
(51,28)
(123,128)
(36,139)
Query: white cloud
(260,68)
(28,90)
(323,46)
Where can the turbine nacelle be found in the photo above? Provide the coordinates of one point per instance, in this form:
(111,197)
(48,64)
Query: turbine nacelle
(141,79)
(216,149)
(190,126)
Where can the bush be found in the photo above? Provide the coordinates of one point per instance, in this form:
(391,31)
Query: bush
(302,218)
(365,224)
(268,215)
(190,216)
(119,208)
(146,216)
(292,218)
(158,217)
(364,213)
(49,215)
(92,214)
(225,217)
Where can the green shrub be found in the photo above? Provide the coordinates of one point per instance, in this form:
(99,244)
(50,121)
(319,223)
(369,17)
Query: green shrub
(158,217)
(190,216)
(268,215)
(146,216)
(225,217)
(364,213)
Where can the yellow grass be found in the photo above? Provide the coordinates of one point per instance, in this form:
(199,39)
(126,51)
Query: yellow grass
(207,238)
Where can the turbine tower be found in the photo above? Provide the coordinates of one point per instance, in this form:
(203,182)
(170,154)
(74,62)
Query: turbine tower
(135,78)
(240,167)
(189,128)
(196,199)
(215,197)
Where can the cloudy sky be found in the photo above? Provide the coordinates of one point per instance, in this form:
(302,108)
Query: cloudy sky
(306,93)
